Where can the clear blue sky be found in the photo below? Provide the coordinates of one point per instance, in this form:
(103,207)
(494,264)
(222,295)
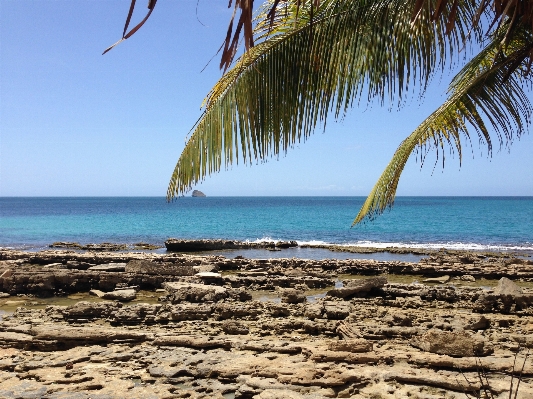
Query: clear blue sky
(76,123)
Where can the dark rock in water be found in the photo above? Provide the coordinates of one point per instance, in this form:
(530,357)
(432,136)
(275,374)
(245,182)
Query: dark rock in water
(104,246)
(198,193)
(62,244)
(286,244)
(145,246)
(179,245)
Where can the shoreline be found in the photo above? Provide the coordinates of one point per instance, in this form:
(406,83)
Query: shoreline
(206,246)
(107,325)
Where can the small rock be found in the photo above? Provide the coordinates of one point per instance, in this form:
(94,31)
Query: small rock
(507,287)
(482,324)
(290,295)
(357,287)
(441,280)
(181,291)
(98,293)
(55,266)
(208,275)
(121,295)
(7,273)
(351,345)
(458,344)
(110,267)
(233,327)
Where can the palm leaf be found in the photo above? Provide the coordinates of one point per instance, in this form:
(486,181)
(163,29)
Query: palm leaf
(482,88)
(308,67)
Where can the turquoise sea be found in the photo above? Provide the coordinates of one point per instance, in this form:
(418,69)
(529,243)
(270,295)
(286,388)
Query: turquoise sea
(477,223)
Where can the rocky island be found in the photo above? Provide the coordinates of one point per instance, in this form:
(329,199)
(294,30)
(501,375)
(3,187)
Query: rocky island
(97,324)
(197,193)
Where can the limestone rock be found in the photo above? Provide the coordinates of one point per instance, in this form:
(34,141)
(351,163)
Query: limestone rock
(233,327)
(140,266)
(482,324)
(74,336)
(279,394)
(189,341)
(351,345)
(135,314)
(334,310)
(291,295)
(441,280)
(313,311)
(121,295)
(458,344)
(357,287)
(89,310)
(186,311)
(209,276)
(110,267)
(507,287)
(6,273)
(190,292)
(98,293)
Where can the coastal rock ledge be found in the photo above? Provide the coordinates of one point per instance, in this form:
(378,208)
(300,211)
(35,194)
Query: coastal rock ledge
(179,245)
(209,327)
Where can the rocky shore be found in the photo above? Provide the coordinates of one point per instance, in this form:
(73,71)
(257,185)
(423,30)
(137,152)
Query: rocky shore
(142,325)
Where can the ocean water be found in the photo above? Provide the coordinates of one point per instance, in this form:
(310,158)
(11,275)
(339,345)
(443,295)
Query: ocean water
(477,223)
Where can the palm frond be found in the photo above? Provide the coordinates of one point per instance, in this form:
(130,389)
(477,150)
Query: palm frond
(309,67)
(489,88)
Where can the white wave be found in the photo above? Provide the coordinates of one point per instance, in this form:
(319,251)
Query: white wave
(313,243)
(467,246)
(434,246)
(262,240)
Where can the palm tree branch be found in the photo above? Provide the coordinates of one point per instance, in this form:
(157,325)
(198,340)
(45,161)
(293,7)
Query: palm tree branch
(279,90)
(481,88)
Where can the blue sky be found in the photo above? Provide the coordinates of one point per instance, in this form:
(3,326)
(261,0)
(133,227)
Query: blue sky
(76,123)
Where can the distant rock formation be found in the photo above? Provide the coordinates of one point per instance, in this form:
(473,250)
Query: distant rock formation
(198,193)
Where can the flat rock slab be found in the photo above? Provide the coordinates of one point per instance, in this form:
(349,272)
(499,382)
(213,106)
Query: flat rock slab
(441,280)
(191,342)
(110,267)
(191,292)
(121,295)
(208,275)
(507,287)
(351,345)
(86,335)
(357,287)
(140,266)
